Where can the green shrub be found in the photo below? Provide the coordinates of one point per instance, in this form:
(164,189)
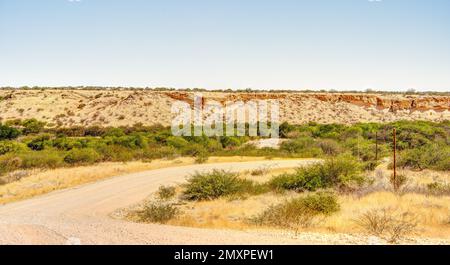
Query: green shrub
(115,153)
(164,152)
(321,203)
(426,157)
(230,141)
(39,143)
(286,129)
(8,133)
(9,147)
(158,212)
(201,158)
(64,143)
(213,145)
(215,184)
(299,212)
(128,141)
(177,142)
(365,150)
(297,145)
(195,150)
(325,130)
(370,165)
(343,171)
(166,193)
(41,159)
(329,147)
(351,133)
(114,132)
(82,156)
(443,164)
(32,126)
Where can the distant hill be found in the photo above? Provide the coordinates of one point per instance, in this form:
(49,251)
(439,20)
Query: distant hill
(70,107)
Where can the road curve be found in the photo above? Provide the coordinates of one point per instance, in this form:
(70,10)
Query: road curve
(81,215)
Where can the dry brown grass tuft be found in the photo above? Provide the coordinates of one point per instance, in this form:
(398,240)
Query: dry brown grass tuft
(388,223)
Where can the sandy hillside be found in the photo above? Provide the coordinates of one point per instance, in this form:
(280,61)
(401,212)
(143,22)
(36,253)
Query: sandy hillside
(127,107)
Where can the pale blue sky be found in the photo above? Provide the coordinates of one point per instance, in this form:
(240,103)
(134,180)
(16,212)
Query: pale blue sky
(261,44)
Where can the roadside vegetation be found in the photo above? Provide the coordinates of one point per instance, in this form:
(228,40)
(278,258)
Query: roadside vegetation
(28,144)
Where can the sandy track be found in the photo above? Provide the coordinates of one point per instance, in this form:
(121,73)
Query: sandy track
(81,215)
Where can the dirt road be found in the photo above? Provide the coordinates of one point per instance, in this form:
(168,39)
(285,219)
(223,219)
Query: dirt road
(81,215)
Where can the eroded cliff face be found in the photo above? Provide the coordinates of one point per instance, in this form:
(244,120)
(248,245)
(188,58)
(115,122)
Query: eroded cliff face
(391,102)
(127,107)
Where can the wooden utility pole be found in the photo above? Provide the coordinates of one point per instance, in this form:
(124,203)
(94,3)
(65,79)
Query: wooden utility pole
(376,146)
(395,160)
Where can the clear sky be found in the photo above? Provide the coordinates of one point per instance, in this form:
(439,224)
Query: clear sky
(218,44)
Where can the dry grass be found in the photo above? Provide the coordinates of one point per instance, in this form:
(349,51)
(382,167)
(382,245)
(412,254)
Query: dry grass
(268,174)
(430,212)
(39,182)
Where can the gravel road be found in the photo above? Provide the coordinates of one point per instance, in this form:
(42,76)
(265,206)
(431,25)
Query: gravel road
(81,215)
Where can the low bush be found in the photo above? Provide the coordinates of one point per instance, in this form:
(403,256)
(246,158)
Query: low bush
(194,150)
(439,188)
(299,212)
(41,159)
(10,146)
(8,133)
(32,126)
(115,153)
(39,143)
(261,171)
(164,152)
(215,184)
(166,192)
(114,132)
(66,144)
(329,147)
(177,142)
(341,172)
(298,145)
(157,212)
(230,142)
(388,223)
(426,157)
(82,156)
(398,182)
(201,158)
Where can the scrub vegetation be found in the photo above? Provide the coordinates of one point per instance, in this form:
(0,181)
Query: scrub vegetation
(28,144)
